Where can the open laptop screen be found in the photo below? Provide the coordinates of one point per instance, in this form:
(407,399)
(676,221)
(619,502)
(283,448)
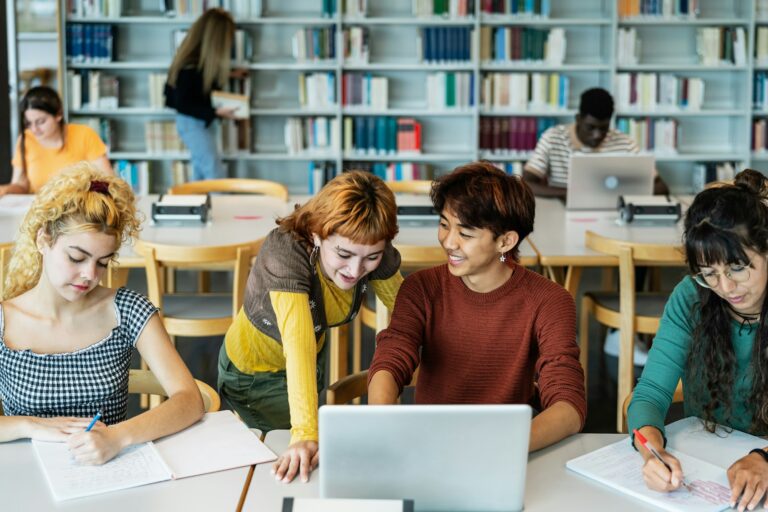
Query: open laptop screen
(595,181)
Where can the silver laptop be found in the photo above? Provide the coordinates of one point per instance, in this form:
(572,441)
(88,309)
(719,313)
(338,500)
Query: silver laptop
(444,457)
(595,181)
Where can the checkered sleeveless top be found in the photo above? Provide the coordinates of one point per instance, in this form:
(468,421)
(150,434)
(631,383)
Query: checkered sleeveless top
(76,383)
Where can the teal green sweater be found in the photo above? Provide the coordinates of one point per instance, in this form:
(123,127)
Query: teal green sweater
(667,363)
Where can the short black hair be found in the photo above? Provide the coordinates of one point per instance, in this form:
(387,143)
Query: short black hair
(596,102)
(484,197)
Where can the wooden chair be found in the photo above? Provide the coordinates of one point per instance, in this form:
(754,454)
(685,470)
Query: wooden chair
(626,310)
(411,186)
(233,185)
(196,314)
(144,382)
(353,387)
(677,397)
(5,257)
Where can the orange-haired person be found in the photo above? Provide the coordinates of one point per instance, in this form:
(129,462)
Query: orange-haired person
(310,275)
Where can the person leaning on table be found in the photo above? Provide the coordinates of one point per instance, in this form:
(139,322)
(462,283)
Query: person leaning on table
(547,170)
(66,341)
(714,335)
(482,328)
(310,275)
(48,144)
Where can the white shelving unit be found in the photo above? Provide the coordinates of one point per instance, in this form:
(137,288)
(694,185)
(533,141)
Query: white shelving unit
(720,131)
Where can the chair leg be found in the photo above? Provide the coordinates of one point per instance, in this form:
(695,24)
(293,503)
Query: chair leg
(626,373)
(357,348)
(203,281)
(586,310)
(144,398)
(170,281)
(338,354)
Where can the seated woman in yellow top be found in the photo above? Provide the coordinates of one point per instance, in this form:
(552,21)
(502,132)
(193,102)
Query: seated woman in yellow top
(310,275)
(47,145)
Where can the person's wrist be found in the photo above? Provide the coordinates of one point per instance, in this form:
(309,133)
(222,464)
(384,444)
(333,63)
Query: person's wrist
(762,453)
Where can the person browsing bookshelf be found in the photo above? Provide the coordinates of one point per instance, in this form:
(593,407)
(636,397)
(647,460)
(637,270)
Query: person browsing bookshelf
(49,144)
(201,66)
(713,335)
(66,341)
(547,170)
(311,273)
(523,351)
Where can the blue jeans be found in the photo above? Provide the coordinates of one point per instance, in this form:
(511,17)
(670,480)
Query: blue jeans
(204,152)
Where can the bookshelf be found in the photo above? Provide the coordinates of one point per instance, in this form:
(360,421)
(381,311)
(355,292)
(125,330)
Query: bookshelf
(719,131)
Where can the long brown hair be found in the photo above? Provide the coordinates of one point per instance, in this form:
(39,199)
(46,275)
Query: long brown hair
(356,205)
(39,98)
(207,47)
(720,225)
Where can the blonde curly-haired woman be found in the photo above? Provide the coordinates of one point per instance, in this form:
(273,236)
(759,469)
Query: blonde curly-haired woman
(66,341)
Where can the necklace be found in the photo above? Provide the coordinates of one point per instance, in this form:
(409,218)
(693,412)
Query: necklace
(747,319)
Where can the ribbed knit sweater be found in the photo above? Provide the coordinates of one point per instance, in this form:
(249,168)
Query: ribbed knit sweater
(483,347)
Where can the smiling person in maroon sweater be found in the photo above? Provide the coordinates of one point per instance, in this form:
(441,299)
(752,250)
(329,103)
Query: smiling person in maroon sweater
(482,329)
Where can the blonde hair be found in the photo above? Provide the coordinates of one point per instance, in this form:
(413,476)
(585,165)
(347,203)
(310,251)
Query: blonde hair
(207,47)
(65,205)
(356,205)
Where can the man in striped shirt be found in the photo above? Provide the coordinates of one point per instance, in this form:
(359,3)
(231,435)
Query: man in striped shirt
(547,170)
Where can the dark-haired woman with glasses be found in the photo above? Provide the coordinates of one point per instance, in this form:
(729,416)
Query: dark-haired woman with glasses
(713,335)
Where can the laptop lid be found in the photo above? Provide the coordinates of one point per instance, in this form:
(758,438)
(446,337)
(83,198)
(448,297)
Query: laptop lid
(595,181)
(444,457)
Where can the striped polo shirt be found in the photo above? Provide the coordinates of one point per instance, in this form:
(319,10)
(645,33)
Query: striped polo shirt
(553,151)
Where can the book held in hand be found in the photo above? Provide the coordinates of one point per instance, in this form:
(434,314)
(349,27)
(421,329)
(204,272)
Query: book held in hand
(238,102)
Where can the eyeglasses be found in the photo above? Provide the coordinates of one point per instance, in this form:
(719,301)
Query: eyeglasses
(735,273)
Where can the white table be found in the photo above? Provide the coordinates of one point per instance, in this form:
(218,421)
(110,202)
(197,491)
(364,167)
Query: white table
(23,488)
(558,237)
(549,487)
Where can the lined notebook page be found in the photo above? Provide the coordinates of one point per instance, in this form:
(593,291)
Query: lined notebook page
(134,466)
(619,466)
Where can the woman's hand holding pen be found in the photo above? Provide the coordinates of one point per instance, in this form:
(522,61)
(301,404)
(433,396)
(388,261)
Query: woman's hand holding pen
(662,473)
(97,446)
(748,477)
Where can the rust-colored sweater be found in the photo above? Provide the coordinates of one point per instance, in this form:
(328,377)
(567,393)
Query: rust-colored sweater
(483,347)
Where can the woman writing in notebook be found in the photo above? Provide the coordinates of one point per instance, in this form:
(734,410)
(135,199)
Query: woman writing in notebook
(310,275)
(48,144)
(714,336)
(482,328)
(66,341)
(201,65)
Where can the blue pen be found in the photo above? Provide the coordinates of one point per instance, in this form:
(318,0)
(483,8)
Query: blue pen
(93,421)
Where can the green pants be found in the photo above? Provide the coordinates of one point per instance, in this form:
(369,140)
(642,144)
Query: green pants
(260,399)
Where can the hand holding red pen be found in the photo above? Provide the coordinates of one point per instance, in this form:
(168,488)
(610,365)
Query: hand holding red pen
(662,471)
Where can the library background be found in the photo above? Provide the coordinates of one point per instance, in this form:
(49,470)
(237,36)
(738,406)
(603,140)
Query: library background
(408,88)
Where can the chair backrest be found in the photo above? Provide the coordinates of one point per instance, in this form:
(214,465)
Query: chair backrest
(145,382)
(676,397)
(159,256)
(354,386)
(5,257)
(234,185)
(631,254)
(410,186)
(417,257)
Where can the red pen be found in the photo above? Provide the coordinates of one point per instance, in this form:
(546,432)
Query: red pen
(648,446)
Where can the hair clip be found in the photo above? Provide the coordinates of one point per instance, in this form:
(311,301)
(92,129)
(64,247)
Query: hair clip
(101,187)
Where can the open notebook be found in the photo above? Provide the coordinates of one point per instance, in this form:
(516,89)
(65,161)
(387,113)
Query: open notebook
(619,466)
(217,442)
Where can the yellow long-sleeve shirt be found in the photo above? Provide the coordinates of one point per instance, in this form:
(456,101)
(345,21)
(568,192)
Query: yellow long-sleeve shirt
(251,351)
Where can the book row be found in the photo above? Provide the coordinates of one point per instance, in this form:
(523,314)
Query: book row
(649,91)
(657,135)
(714,46)
(512,134)
(664,8)
(525,91)
(90,42)
(507,44)
(517,7)
(382,135)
